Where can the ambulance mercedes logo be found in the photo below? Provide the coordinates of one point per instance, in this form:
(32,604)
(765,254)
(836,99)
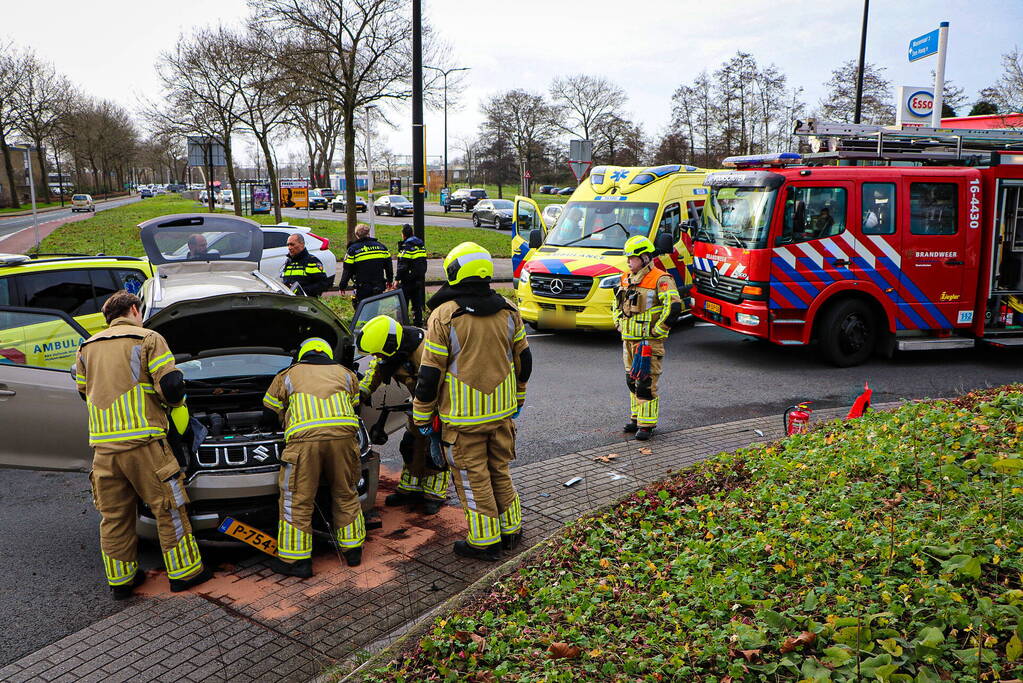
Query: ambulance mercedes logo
(557,286)
(714,277)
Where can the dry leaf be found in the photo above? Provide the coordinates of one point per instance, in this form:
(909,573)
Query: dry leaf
(750,655)
(462,636)
(804,638)
(563,651)
(645,451)
(522,591)
(481,642)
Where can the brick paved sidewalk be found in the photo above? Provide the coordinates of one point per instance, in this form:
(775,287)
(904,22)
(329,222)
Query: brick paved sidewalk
(249,624)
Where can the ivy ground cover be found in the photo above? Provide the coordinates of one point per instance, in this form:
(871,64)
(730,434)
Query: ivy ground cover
(886,548)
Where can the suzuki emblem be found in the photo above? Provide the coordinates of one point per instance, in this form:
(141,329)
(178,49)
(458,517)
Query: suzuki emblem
(557,286)
(261,453)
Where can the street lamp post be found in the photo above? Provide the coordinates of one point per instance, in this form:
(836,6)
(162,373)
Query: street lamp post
(445,73)
(369,172)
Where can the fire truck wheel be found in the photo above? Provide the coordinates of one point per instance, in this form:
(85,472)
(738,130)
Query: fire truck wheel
(848,333)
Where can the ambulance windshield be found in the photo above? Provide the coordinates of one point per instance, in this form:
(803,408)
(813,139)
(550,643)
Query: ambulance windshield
(737,217)
(582,224)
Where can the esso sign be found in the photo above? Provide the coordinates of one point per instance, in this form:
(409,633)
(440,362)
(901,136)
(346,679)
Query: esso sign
(920,103)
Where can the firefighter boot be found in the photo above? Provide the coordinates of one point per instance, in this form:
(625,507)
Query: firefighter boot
(431,506)
(353,557)
(303,569)
(643,433)
(465,549)
(630,427)
(510,541)
(127,590)
(178,585)
(403,498)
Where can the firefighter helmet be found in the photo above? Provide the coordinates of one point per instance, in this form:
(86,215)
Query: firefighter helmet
(380,335)
(637,245)
(468,259)
(315,344)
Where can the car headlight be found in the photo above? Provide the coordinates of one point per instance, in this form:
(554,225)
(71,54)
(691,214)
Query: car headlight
(611,281)
(747,319)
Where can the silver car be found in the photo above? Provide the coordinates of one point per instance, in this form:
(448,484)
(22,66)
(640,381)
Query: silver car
(231,329)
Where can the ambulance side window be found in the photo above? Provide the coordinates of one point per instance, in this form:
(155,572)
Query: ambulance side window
(670,220)
(66,290)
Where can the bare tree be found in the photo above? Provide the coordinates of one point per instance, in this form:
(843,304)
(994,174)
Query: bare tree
(319,125)
(470,148)
(1007,93)
(11,64)
(672,148)
(41,98)
(525,121)
(353,52)
(619,142)
(840,102)
(103,140)
(584,101)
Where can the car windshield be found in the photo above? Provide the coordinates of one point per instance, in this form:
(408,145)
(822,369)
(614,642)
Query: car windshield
(234,365)
(502,204)
(737,217)
(586,224)
(397,198)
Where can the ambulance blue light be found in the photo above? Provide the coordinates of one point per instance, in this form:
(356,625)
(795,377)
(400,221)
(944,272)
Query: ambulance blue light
(751,160)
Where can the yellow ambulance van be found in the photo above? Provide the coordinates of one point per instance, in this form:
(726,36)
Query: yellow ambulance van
(565,273)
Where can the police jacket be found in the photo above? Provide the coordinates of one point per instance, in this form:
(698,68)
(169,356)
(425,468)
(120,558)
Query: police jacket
(411,260)
(646,304)
(315,399)
(367,261)
(126,374)
(307,271)
(476,360)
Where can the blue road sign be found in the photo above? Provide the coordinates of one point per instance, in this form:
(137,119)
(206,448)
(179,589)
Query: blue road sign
(924,46)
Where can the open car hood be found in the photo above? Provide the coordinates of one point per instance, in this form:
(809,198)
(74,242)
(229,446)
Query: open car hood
(250,320)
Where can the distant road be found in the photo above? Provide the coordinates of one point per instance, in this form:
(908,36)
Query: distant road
(9,226)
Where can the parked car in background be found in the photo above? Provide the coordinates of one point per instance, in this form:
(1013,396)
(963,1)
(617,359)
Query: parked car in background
(145,193)
(551,213)
(225,196)
(327,192)
(340,204)
(565,191)
(392,205)
(82,202)
(547,189)
(495,212)
(275,249)
(317,201)
(466,198)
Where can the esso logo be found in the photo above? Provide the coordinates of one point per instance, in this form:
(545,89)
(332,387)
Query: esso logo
(920,103)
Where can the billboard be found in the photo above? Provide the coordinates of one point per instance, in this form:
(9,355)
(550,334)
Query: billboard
(294,194)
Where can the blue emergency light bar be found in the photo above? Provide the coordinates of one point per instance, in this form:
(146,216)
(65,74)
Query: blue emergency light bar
(760,160)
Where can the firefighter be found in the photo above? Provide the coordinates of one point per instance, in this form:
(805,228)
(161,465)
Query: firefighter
(644,308)
(475,366)
(367,264)
(412,272)
(397,353)
(127,377)
(315,398)
(303,269)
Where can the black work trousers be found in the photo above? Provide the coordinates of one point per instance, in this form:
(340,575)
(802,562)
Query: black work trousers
(364,290)
(415,295)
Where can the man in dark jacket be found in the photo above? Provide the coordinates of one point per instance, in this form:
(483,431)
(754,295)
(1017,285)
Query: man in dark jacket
(303,268)
(367,264)
(412,272)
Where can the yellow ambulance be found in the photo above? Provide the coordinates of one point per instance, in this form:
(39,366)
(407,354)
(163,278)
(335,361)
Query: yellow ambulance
(565,273)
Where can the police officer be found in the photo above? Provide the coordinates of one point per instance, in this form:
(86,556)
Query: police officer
(644,308)
(303,269)
(127,377)
(473,374)
(368,264)
(412,272)
(397,354)
(315,399)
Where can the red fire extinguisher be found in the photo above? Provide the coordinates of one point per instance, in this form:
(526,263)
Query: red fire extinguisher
(797,418)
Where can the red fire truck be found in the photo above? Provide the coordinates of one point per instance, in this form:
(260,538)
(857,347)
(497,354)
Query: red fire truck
(923,249)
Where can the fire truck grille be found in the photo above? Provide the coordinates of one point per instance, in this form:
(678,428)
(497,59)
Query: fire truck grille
(561,286)
(726,288)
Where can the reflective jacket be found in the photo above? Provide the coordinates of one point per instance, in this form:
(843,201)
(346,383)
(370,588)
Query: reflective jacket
(315,399)
(411,260)
(404,369)
(119,372)
(646,304)
(480,361)
(367,261)
(306,270)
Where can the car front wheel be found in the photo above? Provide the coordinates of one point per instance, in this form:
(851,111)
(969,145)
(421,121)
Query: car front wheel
(465,206)
(476,220)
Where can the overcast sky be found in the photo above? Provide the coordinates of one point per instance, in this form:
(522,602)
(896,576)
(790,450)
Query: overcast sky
(649,47)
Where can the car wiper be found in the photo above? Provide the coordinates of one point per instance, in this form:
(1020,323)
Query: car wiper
(735,236)
(703,231)
(591,234)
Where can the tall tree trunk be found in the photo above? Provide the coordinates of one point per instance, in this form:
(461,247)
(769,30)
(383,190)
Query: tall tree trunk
(350,213)
(43,171)
(271,173)
(236,193)
(12,182)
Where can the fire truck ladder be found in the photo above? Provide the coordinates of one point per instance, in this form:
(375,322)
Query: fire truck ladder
(862,141)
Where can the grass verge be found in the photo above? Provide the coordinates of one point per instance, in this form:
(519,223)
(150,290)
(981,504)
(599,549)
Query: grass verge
(882,549)
(114,231)
(343,309)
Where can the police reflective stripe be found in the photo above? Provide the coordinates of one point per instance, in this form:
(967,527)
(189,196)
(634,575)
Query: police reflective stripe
(292,542)
(183,560)
(409,482)
(411,253)
(353,534)
(118,572)
(471,406)
(435,349)
(647,412)
(367,254)
(436,485)
(271,402)
(306,412)
(124,420)
(511,519)
(160,361)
